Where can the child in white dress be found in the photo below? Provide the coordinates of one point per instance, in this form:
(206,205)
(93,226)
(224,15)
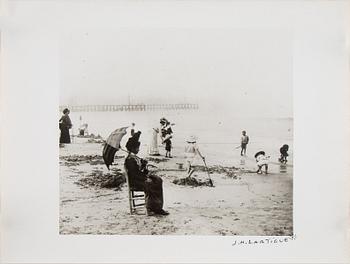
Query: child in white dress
(191,152)
(262,161)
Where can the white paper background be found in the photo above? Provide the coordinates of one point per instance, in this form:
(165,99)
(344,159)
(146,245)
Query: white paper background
(29,152)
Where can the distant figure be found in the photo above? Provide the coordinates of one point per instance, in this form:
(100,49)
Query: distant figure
(141,180)
(153,147)
(284,153)
(83,130)
(191,151)
(244,143)
(132,130)
(65,124)
(262,161)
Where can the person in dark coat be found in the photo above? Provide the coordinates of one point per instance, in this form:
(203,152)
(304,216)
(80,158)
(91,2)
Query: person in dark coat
(167,141)
(140,179)
(166,134)
(65,124)
(284,153)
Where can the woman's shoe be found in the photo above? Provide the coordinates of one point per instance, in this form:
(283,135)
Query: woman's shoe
(162,212)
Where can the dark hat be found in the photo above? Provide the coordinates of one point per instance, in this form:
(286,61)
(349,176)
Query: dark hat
(259,153)
(163,120)
(133,142)
(66,110)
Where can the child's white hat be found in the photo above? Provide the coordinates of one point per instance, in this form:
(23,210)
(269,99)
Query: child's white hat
(191,139)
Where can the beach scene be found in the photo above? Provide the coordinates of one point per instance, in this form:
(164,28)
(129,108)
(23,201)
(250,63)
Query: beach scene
(164,110)
(241,202)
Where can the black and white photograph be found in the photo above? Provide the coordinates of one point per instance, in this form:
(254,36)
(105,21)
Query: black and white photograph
(176,132)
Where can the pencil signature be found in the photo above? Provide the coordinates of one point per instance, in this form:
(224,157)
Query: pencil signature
(269,240)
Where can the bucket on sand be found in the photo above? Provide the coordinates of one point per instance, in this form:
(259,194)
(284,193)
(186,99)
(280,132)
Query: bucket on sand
(242,162)
(283,168)
(180,165)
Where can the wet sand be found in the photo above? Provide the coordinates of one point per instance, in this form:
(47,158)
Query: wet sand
(240,203)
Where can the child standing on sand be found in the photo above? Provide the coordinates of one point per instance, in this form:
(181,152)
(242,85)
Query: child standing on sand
(191,151)
(167,139)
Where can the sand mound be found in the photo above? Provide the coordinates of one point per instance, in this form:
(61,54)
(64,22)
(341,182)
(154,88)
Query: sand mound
(75,160)
(97,178)
(190,181)
(228,171)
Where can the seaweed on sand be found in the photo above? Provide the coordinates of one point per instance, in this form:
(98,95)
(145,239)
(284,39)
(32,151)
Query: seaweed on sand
(228,171)
(98,179)
(190,181)
(74,160)
(157,160)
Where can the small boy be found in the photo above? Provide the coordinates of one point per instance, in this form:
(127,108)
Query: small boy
(244,142)
(261,161)
(191,151)
(284,153)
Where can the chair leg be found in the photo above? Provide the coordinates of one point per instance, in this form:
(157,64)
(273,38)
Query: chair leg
(130,202)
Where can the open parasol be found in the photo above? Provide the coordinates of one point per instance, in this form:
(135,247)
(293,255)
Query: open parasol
(113,145)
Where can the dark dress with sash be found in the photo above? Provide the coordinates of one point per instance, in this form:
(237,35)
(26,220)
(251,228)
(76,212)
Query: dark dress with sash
(65,124)
(140,180)
(168,131)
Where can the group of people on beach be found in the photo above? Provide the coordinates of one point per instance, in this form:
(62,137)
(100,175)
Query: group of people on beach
(260,157)
(140,178)
(166,134)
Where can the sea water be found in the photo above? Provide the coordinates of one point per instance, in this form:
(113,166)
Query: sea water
(218,134)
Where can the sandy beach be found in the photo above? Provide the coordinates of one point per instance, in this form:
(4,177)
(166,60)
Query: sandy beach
(240,203)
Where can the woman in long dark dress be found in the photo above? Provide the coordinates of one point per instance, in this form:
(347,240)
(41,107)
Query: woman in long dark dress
(65,124)
(140,179)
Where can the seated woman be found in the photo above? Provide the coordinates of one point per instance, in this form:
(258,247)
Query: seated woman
(140,179)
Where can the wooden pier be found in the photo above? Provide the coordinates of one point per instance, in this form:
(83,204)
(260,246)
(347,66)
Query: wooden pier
(129,107)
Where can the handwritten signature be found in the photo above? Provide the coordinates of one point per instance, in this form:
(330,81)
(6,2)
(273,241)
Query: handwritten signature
(242,242)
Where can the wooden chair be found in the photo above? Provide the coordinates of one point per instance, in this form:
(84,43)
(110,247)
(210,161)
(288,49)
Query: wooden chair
(136,197)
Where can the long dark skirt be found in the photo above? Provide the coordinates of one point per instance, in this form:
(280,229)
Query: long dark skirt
(154,193)
(167,145)
(65,137)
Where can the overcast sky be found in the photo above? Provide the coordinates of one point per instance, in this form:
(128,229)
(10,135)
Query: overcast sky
(240,70)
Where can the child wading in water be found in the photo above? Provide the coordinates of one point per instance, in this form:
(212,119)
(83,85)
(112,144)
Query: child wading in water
(244,142)
(191,151)
(261,161)
(284,153)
